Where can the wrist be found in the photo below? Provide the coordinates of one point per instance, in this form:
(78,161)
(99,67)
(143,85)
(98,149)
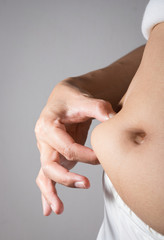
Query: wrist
(109,83)
(77,84)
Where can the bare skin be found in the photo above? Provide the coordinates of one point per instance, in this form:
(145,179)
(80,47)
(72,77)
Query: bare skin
(132,153)
(62,127)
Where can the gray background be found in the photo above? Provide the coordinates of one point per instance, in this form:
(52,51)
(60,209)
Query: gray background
(41,43)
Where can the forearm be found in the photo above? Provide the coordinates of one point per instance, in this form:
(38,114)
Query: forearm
(110,83)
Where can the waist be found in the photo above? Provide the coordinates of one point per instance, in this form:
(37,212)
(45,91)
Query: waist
(126,219)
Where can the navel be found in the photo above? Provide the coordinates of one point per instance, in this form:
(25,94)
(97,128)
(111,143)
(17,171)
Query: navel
(139,137)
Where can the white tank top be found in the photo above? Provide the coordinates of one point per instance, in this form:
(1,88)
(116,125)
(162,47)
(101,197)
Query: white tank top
(120,223)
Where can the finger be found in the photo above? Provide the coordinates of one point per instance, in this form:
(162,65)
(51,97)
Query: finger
(49,192)
(97,108)
(60,140)
(52,168)
(59,174)
(46,207)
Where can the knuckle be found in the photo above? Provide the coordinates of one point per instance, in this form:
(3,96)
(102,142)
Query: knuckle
(69,154)
(100,103)
(65,181)
(41,126)
(45,168)
(37,180)
(37,127)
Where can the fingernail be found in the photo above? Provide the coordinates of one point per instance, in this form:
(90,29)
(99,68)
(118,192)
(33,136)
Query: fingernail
(111,115)
(106,117)
(53,208)
(79,185)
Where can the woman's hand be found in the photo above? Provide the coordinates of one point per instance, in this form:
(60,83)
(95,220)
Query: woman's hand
(64,122)
(61,132)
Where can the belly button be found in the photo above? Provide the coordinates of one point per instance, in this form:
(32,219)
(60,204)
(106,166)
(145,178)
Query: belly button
(139,137)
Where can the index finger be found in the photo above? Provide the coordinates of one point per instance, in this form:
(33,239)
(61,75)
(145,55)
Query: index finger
(56,136)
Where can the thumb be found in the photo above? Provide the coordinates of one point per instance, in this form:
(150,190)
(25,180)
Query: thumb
(98,108)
